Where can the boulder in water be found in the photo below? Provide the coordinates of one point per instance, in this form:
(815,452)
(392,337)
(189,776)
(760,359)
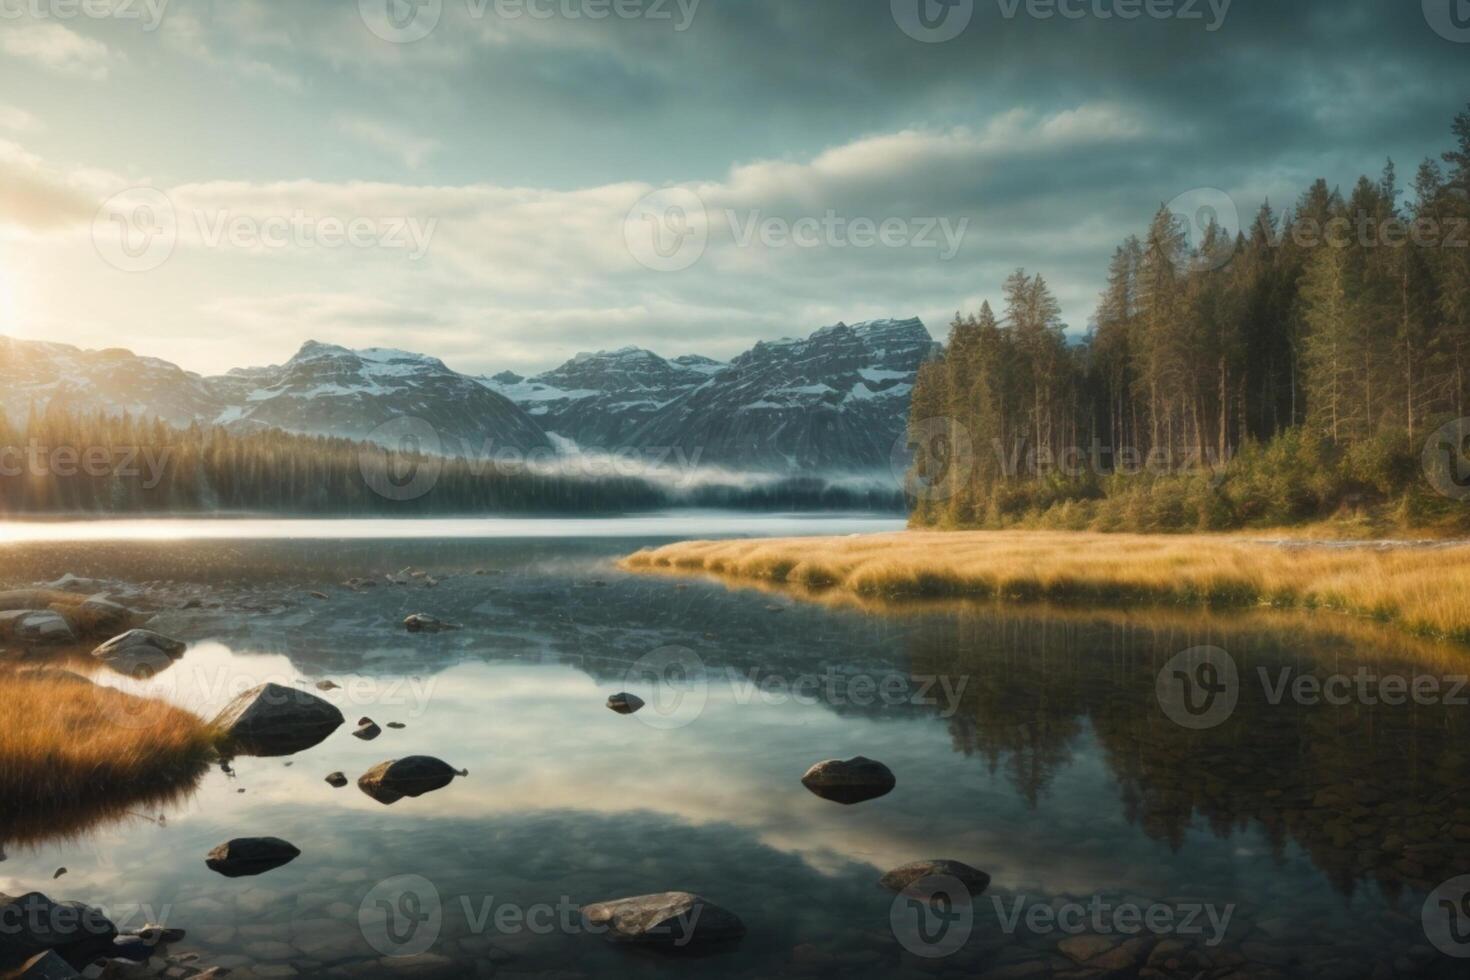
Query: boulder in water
(388,782)
(421,623)
(34,924)
(849,781)
(40,627)
(624,703)
(675,919)
(250,856)
(275,720)
(899,879)
(140,653)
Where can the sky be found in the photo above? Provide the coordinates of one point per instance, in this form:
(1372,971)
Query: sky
(506,183)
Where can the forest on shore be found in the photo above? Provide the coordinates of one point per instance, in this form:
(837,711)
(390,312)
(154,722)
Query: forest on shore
(1303,367)
(60,463)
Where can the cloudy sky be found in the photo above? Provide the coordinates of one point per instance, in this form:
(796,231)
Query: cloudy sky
(504,183)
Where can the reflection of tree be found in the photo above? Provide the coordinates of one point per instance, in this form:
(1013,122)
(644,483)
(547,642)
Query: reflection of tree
(1366,790)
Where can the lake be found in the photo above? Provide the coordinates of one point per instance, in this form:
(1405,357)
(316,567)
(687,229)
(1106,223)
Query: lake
(1302,811)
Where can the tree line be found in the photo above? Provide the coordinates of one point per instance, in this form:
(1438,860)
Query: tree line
(1264,374)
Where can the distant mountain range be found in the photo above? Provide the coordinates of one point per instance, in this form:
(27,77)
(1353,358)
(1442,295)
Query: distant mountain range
(834,401)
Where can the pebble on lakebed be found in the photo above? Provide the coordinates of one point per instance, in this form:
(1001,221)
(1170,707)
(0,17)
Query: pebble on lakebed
(676,919)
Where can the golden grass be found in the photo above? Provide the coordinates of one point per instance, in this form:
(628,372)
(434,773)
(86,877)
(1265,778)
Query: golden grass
(1424,590)
(73,752)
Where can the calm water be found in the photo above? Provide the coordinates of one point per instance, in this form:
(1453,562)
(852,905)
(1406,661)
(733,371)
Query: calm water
(1292,837)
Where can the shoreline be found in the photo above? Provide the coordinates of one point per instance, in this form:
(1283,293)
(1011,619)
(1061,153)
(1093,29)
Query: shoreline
(1420,587)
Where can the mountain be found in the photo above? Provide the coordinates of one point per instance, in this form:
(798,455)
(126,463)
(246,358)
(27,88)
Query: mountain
(112,381)
(600,401)
(336,391)
(836,400)
(323,390)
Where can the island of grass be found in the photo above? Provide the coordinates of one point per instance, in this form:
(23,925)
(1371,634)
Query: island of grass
(1423,589)
(78,752)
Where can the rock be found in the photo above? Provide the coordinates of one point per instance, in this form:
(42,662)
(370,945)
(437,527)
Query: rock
(849,781)
(396,724)
(99,615)
(38,627)
(318,595)
(140,653)
(58,873)
(367,732)
(33,924)
(275,720)
(250,856)
(625,703)
(668,919)
(327,685)
(45,966)
(1080,949)
(421,623)
(336,780)
(901,878)
(388,782)
(157,935)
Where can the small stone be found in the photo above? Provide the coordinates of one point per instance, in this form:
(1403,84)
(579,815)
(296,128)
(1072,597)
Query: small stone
(624,703)
(849,781)
(337,780)
(250,856)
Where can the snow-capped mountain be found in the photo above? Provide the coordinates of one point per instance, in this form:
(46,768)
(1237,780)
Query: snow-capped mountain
(836,400)
(333,390)
(601,400)
(113,381)
(323,390)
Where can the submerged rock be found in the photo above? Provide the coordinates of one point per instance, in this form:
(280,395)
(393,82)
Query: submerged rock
(276,720)
(140,653)
(250,856)
(676,919)
(849,781)
(624,703)
(38,627)
(421,623)
(33,924)
(975,880)
(388,782)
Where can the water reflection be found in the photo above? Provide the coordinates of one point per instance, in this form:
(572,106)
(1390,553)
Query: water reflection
(1027,743)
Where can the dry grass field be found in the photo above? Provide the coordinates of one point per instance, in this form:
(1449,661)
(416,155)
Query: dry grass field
(1421,589)
(75,751)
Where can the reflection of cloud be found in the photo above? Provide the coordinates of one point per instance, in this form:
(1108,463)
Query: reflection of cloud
(56,48)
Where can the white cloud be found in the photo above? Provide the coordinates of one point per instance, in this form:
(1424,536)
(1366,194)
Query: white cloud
(17,119)
(395,142)
(57,49)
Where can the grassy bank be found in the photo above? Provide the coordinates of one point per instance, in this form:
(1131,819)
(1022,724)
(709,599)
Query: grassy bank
(1422,590)
(74,752)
